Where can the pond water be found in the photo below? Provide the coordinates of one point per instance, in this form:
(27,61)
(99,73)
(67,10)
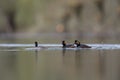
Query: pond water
(20,60)
(25,62)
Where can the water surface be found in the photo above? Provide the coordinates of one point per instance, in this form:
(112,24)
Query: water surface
(20,60)
(25,62)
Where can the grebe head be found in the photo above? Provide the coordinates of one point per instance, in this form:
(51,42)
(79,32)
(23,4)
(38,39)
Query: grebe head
(75,41)
(64,43)
(36,44)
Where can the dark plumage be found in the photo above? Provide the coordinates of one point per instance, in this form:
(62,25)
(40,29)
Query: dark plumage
(36,44)
(67,45)
(78,44)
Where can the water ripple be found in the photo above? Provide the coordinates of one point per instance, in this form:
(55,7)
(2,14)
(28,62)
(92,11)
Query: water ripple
(30,47)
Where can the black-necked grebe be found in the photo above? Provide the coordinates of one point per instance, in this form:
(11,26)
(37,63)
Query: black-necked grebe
(67,45)
(78,44)
(36,44)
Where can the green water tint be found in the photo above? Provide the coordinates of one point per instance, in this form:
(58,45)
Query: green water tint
(29,63)
(60,65)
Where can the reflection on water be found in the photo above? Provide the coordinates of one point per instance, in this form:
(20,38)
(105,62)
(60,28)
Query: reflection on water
(24,62)
(8,66)
(60,65)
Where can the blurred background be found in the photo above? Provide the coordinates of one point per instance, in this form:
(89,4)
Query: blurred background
(78,19)
(51,21)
